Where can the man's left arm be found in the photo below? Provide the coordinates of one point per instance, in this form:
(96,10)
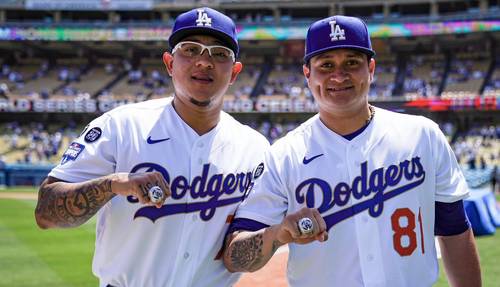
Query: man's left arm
(461,260)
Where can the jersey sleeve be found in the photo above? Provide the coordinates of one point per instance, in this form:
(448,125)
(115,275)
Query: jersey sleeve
(451,219)
(450,181)
(267,201)
(90,155)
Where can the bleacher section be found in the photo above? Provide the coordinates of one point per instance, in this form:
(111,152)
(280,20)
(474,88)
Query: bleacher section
(385,76)
(96,77)
(149,80)
(424,74)
(34,144)
(247,79)
(467,72)
(493,86)
(286,79)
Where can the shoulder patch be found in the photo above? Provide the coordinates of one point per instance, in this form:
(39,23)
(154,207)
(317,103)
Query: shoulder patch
(93,134)
(73,151)
(258,171)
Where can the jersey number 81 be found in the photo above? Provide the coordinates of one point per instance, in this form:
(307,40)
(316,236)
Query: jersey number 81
(407,230)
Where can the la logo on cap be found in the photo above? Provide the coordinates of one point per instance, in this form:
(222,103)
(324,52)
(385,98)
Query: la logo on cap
(336,33)
(203,19)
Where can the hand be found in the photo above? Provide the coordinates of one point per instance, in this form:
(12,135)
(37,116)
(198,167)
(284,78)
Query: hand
(288,230)
(138,185)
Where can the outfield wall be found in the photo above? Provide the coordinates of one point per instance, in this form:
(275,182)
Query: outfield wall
(23,174)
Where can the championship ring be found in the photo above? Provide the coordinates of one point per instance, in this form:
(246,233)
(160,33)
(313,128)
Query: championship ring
(155,194)
(305,226)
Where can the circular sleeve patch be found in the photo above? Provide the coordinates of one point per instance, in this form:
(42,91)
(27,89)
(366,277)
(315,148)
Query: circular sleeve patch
(93,134)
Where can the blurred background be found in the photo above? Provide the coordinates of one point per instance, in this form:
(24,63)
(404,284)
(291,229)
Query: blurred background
(64,62)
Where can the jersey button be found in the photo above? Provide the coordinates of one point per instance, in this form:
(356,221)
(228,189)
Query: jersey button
(186,255)
(200,161)
(200,144)
(369,257)
(195,217)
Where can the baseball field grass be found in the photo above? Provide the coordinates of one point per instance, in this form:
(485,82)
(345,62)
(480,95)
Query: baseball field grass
(32,257)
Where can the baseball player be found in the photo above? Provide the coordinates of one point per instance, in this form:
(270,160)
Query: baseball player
(379,184)
(165,176)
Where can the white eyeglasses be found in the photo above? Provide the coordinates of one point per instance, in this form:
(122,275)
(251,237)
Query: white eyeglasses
(191,49)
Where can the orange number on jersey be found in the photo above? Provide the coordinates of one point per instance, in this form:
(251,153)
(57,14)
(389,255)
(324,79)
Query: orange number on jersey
(406,231)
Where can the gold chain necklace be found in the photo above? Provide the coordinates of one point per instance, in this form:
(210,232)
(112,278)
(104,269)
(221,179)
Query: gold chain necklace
(372,114)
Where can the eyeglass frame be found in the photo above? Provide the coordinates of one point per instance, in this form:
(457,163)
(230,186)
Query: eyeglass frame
(203,48)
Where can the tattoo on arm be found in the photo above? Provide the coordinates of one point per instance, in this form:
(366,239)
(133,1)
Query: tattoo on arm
(64,205)
(250,254)
(246,254)
(276,245)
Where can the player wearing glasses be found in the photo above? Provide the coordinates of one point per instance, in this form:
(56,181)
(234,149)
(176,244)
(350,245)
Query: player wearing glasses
(186,146)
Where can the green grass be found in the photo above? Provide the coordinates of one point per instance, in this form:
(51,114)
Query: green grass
(24,189)
(32,257)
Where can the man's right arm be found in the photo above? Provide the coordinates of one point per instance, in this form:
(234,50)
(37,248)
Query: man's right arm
(246,251)
(64,204)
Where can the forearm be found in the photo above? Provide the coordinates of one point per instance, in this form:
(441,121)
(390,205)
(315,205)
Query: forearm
(63,204)
(250,251)
(460,259)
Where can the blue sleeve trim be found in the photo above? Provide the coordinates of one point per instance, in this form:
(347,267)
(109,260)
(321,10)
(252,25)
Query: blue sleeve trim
(450,219)
(245,224)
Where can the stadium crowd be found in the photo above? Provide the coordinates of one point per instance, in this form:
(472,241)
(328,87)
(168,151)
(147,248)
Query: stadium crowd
(34,143)
(423,75)
(476,148)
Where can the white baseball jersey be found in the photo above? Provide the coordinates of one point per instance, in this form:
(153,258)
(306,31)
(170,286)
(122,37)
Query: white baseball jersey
(176,245)
(376,192)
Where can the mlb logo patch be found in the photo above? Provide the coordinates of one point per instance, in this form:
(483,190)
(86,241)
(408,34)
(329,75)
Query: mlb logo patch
(73,151)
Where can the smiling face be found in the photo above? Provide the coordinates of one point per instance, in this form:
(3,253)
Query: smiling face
(339,80)
(200,81)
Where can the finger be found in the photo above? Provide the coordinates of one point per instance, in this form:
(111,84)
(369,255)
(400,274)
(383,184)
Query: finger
(164,186)
(321,237)
(142,194)
(325,235)
(290,225)
(319,219)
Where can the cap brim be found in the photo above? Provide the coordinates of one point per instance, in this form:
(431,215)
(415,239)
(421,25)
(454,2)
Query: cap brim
(368,52)
(183,33)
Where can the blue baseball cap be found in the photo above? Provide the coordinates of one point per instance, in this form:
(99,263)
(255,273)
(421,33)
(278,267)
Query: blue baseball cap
(205,21)
(337,32)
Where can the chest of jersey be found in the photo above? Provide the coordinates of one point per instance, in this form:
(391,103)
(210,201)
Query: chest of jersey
(344,180)
(205,173)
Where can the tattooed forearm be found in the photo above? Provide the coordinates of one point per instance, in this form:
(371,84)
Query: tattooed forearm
(249,251)
(246,254)
(63,204)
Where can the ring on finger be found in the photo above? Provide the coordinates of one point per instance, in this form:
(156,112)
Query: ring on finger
(155,194)
(305,225)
